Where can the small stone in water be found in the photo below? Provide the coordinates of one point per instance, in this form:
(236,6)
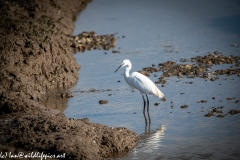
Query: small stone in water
(103,101)
(184,106)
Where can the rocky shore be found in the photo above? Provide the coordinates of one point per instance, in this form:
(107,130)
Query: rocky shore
(36,56)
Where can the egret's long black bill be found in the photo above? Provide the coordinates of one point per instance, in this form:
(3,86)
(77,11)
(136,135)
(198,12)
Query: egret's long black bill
(119,67)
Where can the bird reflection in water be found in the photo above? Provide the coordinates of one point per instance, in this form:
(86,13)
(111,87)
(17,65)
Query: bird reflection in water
(150,142)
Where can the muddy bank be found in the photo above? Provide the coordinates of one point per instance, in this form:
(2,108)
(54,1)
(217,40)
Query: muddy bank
(36,56)
(58,134)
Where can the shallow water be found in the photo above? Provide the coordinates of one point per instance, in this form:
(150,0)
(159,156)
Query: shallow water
(156,32)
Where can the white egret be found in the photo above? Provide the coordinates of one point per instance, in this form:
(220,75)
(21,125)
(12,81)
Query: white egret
(141,83)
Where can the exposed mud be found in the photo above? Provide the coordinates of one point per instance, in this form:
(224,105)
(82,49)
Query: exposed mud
(215,112)
(35,57)
(198,67)
(232,112)
(89,41)
(58,134)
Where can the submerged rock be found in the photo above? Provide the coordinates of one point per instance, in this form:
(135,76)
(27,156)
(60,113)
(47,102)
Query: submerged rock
(103,101)
(232,112)
(184,106)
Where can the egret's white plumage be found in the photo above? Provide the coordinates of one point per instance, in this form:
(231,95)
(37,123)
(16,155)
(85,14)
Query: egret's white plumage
(142,83)
(139,81)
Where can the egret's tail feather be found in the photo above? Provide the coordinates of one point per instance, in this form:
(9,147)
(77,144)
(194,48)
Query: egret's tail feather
(159,94)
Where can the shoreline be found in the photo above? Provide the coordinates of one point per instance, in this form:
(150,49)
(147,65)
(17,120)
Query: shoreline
(35,57)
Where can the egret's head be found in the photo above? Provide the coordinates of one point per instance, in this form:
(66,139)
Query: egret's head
(124,63)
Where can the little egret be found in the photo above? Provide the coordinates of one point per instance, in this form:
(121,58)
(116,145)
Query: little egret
(141,83)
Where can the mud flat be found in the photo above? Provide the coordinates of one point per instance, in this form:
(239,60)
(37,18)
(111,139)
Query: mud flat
(199,67)
(36,56)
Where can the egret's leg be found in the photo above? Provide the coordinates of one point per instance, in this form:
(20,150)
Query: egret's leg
(144,102)
(147,100)
(148,109)
(147,104)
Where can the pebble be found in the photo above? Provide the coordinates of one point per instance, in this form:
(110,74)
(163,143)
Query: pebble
(66,95)
(115,51)
(202,101)
(184,106)
(103,101)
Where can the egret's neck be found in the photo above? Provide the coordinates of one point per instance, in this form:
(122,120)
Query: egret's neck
(128,68)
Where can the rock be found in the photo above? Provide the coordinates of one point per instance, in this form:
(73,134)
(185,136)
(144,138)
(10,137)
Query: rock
(202,101)
(184,106)
(20,42)
(114,51)
(232,112)
(164,99)
(67,95)
(103,101)
(220,116)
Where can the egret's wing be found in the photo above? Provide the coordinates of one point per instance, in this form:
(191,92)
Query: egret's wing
(141,82)
(145,85)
